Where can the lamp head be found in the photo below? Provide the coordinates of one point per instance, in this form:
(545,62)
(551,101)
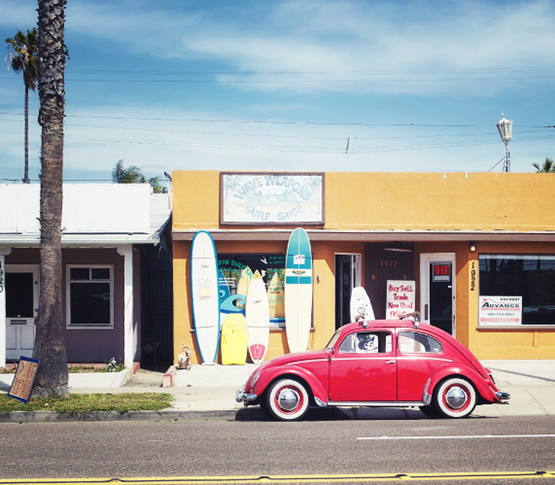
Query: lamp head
(505,128)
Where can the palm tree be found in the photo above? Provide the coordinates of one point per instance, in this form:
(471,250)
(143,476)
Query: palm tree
(23,55)
(548,166)
(52,375)
(133,175)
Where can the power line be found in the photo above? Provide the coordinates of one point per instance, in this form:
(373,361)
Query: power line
(264,122)
(287,149)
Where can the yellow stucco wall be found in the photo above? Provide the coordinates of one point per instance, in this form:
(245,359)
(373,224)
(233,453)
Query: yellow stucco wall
(425,201)
(417,201)
(385,201)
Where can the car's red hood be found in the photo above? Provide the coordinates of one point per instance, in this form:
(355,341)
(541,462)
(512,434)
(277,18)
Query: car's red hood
(299,357)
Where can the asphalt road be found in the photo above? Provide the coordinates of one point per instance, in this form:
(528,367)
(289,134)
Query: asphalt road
(512,449)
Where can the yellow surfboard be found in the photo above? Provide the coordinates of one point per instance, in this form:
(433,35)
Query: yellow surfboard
(234,340)
(243,286)
(276,300)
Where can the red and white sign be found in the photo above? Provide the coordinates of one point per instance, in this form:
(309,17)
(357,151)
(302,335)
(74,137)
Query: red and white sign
(500,310)
(400,298)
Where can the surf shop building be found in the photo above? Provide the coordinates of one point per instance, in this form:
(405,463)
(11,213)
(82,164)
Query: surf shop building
(474,253)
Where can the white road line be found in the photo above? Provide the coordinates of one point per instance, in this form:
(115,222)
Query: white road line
(467,437)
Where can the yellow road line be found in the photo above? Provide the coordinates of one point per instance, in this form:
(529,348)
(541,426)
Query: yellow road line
(360,478)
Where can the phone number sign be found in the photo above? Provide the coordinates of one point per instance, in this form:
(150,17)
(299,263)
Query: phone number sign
(500,310)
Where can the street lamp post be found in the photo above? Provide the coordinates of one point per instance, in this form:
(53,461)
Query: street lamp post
(505,128)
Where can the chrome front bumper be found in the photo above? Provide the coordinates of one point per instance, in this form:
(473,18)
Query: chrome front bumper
(246,397)
(503,396)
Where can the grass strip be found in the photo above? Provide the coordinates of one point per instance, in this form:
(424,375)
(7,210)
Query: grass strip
(86,403)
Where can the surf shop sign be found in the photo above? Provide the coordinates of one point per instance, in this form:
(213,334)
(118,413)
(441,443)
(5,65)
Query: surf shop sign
(272,198)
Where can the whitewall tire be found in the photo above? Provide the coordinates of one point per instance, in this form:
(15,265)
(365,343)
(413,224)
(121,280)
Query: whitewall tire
(454,397)
(287,400)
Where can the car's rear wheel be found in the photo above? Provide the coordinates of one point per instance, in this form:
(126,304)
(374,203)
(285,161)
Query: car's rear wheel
(287,400)
(454,397)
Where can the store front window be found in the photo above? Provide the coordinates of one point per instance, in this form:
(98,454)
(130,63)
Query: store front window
(235,274)
(517,289)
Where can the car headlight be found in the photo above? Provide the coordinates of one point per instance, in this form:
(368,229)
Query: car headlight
(254,380)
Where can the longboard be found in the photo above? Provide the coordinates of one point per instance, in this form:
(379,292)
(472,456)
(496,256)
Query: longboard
(243,287)
(276,300)
(298,290)
(205,296)
(234,339)
(361,306)
(258,319)
(224,296)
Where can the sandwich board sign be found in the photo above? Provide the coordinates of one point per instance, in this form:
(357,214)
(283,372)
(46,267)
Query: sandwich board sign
(22,384)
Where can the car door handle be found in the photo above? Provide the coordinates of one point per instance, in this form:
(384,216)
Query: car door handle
(390,362)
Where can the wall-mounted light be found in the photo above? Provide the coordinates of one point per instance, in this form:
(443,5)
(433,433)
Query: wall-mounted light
(472,247)
(319,278)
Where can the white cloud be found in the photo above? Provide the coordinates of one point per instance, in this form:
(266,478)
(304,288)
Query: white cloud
(413,47)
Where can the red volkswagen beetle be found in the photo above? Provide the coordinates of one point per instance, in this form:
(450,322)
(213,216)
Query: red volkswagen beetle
(375,363)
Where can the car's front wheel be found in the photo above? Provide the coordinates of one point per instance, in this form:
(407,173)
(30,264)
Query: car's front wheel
(287,400)
(454,397)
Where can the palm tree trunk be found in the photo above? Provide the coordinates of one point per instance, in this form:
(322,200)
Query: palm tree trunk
(52,375)
(26,173)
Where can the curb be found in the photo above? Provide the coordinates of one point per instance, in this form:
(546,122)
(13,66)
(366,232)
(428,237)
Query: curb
(137,416)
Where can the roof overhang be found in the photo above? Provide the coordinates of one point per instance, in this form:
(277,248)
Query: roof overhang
(369,236)
(80,240)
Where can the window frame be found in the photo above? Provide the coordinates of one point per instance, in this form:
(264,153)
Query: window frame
(69,281)
(376,332)
(521,326)
(415,332)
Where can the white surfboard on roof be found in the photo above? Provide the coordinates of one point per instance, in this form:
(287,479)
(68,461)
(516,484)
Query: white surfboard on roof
(361,307)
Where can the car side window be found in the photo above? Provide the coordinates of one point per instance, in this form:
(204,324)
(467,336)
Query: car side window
(418,343)
(366,343)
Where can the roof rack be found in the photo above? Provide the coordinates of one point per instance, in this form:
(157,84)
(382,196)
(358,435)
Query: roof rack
(362,319)
(414,316)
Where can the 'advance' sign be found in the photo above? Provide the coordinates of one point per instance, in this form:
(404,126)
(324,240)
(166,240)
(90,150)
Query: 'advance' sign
(500,310)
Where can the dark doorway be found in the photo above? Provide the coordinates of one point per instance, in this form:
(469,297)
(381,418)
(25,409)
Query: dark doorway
(382,264)
(441,295)
(347,269)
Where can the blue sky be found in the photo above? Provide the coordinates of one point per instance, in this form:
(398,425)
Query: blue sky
(313,85)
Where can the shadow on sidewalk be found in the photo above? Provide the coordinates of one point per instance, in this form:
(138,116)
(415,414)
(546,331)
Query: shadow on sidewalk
(522,374)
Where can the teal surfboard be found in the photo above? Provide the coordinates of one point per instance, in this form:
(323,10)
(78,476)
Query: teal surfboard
(298,291)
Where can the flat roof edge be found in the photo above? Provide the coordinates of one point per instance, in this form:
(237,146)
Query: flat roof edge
(368,236)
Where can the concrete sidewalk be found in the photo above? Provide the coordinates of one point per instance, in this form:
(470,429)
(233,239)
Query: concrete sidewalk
(208,392)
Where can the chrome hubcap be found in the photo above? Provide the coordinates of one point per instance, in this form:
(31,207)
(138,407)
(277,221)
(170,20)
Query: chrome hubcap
(456,397)
(288,399)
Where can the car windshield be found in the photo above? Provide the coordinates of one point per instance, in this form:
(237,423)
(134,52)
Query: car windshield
(334,338)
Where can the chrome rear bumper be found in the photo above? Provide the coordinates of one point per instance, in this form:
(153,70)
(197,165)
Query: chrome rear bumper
(502,396)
